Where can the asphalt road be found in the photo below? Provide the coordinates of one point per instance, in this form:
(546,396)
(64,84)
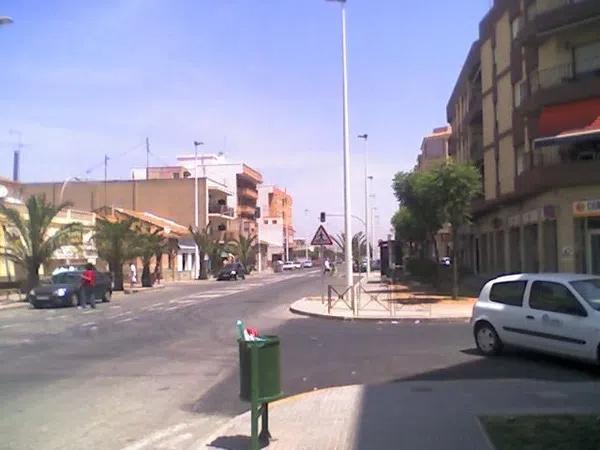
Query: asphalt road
(159,370)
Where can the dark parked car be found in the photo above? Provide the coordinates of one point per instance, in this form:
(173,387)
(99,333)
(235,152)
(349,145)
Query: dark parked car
(64,289)
(232,271)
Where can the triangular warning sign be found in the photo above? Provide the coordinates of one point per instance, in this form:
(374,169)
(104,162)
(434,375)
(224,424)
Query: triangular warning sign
(321,237)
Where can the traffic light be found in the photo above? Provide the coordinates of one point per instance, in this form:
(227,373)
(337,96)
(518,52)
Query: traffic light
(322,217)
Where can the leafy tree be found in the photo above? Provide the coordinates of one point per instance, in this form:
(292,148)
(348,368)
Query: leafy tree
(207,245)
(418,192)
(245,249)
(116,243)
(31,243)
(458,185)
(407,228)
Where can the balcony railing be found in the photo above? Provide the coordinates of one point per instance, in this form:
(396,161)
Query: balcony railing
(564,73)
(248,192)
(221,209)
(544,6)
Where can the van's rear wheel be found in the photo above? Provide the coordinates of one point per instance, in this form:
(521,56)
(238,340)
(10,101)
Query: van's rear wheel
(487,340)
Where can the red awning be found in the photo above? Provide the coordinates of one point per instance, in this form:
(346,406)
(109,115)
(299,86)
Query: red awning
(569,122)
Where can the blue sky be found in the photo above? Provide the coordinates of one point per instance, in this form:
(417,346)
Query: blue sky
(257,79)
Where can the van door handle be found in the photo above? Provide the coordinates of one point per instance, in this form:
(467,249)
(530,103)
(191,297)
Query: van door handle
(530,317)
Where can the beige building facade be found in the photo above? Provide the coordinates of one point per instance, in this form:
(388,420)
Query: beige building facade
(536,138)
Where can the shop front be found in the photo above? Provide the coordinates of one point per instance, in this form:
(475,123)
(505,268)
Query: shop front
(587,226)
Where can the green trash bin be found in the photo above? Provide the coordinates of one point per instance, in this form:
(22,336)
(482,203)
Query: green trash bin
(268,370)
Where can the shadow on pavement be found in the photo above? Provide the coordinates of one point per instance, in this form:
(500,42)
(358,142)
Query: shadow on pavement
(238,442)
(512,364)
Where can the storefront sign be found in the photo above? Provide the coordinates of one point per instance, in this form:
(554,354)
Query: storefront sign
(586,208)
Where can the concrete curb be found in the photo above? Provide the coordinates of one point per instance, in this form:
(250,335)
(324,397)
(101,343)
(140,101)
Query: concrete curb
(313,315)
(14,305)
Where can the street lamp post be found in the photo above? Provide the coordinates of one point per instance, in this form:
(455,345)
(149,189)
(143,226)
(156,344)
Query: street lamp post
(368,253)
(196,219)
(346,134)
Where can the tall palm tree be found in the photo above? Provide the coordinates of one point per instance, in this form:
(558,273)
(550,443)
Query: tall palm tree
(206,246)
(116,243)
(148,245)
(245,249)
(359,245)
(31,245)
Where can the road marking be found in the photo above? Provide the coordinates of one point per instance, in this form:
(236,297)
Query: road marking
(129,319)
(87,324)
(203,296)
(174,442)
(115,306)
(157,436)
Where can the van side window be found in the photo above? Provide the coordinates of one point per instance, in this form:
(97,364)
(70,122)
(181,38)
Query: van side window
(508,292)
(554,297)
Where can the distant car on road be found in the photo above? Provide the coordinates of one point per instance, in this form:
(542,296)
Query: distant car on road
(307,264)
(288,265)
(297,265)
(233,271)
(551,313)
(64,289)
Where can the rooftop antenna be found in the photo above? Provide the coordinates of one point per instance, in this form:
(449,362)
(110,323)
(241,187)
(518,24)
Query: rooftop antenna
(17,154)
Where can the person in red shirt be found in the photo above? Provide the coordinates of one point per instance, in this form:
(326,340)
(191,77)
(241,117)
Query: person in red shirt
(88,282)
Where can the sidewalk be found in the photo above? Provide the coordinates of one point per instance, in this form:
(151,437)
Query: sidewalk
(440,415)
(378,301)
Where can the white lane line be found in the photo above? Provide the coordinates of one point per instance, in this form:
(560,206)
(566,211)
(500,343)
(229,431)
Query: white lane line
(115,306)
(129,319)
(202,296)
(88,324)
(157,436)
(11,325)
(175,442)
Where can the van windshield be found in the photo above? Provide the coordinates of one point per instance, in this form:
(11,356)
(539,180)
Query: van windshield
(589,290)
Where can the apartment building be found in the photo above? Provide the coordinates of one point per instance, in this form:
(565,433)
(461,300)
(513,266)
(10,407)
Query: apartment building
(526,111)
(434,149)
(276,223)
(241,179)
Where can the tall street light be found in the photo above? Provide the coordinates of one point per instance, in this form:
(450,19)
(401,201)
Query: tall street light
(365,137)
(196,220)
(347,203)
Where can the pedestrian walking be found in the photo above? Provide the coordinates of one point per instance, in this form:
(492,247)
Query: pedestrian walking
(132,275)
(88,282)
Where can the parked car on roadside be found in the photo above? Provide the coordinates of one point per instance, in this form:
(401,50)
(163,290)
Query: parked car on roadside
(308,264)
(297,265)
(64,289)
(233,271)
(551,313)
(288,265)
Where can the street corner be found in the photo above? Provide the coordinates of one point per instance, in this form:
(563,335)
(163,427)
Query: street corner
(325,412)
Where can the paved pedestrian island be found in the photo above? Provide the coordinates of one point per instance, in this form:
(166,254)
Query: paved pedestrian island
(378,301)
(411,415)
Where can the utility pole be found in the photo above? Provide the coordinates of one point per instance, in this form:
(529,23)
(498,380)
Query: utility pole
(285,227)
(106,158)
(367,253)
(147,159)
(196,219)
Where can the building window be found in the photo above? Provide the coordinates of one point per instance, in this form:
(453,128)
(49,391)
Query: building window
(587,58)
(175,175)
(274,222)
(266,222)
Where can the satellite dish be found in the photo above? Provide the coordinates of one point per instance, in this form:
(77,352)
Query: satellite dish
(3,191)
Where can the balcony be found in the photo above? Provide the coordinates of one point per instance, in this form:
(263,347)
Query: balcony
(557,15)
(246,211)
(248,193)
(221,210)
(561,84)
(552,168)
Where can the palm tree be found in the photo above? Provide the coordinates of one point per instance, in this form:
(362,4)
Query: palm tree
(245,249)
(148,245)
(206,246)
(359,245)
(31,244)
(116,243)
(168,246)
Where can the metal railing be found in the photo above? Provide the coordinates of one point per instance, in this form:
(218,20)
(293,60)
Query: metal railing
(562,73)
(544,6)
(221,209)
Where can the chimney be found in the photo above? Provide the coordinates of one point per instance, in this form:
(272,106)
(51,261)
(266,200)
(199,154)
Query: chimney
(16,165)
